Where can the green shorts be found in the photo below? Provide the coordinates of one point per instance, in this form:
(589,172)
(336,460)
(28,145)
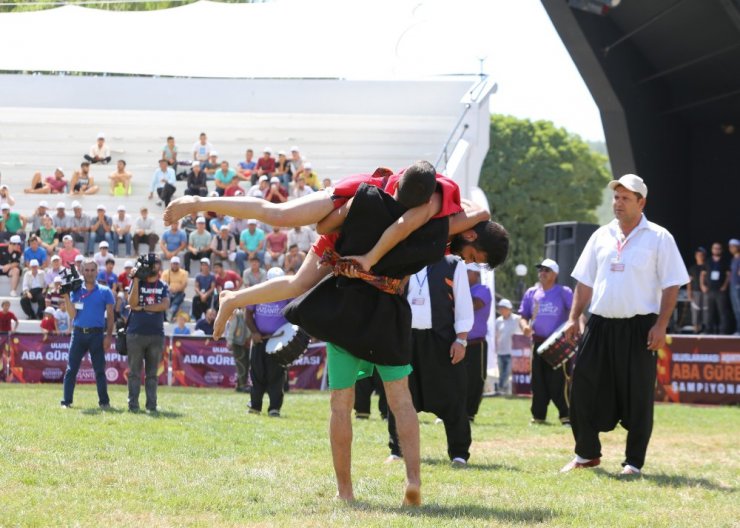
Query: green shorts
(345,369)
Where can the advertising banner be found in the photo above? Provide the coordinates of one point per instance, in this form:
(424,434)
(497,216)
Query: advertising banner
(309,370)
(521,364)
(198,362)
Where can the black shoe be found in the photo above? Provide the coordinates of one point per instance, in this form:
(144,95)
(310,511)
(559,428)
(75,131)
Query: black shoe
(66,405)
(274,413)
(134,409)
(151,409)
(104,406)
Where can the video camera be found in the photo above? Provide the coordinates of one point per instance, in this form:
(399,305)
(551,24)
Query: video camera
(71,280)
(144,264)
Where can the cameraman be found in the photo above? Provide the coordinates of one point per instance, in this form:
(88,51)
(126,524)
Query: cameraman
(149,300)
(91,309)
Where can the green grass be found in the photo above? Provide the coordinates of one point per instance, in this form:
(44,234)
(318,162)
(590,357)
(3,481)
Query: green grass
(204,462)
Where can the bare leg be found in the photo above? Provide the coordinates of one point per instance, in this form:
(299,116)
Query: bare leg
(306,210)
(340,433)
(407,423)
(92,190)
(37,179)
(15,278)
(287,287)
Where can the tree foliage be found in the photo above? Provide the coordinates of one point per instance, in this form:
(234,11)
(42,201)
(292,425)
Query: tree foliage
(534,174)
(37,5)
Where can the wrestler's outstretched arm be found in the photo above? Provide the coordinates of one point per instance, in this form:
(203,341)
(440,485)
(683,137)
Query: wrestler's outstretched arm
(306,210)
(278,289)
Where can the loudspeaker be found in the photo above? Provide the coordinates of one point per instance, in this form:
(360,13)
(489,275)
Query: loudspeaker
(564,242)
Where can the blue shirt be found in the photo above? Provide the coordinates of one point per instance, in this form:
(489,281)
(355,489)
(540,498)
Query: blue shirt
(108,278)
(204,326)
(149,323)
(29,254)
(247,166)
(204,281)
(178,331)
(224,178)
(94,304)
(174,240)
(169,175)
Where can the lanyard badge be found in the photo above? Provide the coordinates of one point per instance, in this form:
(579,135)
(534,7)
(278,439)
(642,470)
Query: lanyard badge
(617,264)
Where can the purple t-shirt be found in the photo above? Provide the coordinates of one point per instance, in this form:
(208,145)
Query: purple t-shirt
(553,308)
(268,317)
(480,321)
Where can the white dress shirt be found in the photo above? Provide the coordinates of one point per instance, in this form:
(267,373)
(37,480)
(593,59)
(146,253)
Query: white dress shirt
(630,283)
(421,313)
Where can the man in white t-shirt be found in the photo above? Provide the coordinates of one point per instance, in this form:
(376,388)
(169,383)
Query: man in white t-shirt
(630,271)
(202,149)
(99,152)
(121,231)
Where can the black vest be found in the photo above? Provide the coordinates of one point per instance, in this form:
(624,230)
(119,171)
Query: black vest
(440,276)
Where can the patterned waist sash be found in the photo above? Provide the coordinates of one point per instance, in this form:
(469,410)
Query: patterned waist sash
(341,265)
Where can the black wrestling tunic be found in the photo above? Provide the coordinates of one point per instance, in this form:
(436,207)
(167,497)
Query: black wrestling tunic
(351,313)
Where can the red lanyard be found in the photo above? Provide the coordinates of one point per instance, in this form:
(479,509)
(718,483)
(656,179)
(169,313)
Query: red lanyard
(88,294)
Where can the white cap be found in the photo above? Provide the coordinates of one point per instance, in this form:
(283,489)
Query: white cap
(76,204)
(128,264)
(175,260)
(79,258)
(632,182)
(60,170)
(33,262)
(100,206)
(505,303)
(228,285)
(61,205)
(103,244)
(67,237)
(274,179)
(473,266)
(49,310)
(121,208)
(273,273)
(263,178)
(5,206)
(55,257)
(213,153)
(200,220)
(224,227)
(57,279)
(267,149)
(281,153)
(549,263)
(307,165)
(205,260)
(195,164)
(44,203)
(101,135)
(295,148)
(15,239)
(251,221)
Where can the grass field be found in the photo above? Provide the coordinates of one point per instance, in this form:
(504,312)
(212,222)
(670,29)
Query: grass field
(203,461)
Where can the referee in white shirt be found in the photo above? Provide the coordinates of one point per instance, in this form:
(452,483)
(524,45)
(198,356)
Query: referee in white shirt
(630,271)
(441,317)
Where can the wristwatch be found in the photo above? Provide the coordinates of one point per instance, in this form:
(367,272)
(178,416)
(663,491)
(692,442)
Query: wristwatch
(463,342)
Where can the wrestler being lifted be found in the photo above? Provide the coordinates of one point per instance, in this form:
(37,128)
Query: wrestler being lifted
(424,197)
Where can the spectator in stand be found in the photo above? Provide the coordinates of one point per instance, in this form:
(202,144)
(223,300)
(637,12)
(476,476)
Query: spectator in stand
(79,259)
(124,278)
(55,184)
(176,280)
(210,166)
(82,181)
(8,320)
(37,219)
(303,237)
(78,225)
(246,168)
(103,254)
(312,179)
(199,244)
(236,226)
(734,246)
(268,376)
(266,164)
(144,232)
(55,270)
(173,242)
(53,294)
(251,244)
(695,291)
(276,193)
(11,224)
(202,149)
(205,285)
(205,325)
(217,222)
(222,276)
(188,223)
(163,181)
(295,164)
(69,252)
(716,280)
(181,329)
(169,152)
(121,232)
(101,228)
(62,318)
(99,152)
(238,340)
(34,285)
(223,246)
(476,351)
(259,190)
(326,183)
(35,252)
(61,220)
(255,274)
(120,180)
(10,263)
(234,189)
(281,169)
(196,181)
(276,244)
(224,177)
(107,276)
(300,189)
(293,260)
(48,323)
(5,196)
(48,236)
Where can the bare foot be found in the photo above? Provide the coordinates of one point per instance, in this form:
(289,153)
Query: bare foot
(345,498)
(226,306)
(180,208)
(412,496)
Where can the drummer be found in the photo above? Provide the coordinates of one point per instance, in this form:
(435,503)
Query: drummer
(268,376)
(544,308)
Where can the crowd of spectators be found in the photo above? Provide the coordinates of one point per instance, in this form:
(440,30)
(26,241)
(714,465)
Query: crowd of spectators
(227,252)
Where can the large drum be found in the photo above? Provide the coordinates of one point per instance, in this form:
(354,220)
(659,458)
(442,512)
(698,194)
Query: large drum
(556,349)
(287,344)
